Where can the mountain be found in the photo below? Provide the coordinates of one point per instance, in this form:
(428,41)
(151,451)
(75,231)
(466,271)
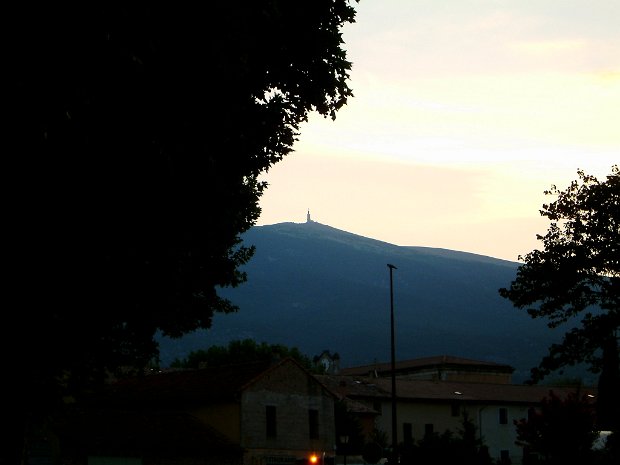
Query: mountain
(315,287)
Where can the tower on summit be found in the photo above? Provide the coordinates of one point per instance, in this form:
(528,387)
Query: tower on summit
(308,220)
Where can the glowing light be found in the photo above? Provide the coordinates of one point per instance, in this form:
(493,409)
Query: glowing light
(314,458)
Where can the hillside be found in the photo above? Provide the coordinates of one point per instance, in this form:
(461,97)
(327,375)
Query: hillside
(316,287)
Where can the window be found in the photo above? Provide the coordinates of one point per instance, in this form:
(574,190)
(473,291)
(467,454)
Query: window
(503,416)
(455,409)
(408,433)
(504,457)
(270,418)
(429,429)
(377,407)
(313,423)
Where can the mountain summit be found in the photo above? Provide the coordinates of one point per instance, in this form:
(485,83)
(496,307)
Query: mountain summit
(316,287)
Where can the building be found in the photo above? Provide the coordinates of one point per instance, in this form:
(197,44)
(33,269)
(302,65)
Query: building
(442,367)
(251,414)
(330,363)
(427,406)
(268,413)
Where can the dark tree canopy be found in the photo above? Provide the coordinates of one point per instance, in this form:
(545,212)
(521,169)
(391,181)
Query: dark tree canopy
(464,447)
(560,432)
(577,273)
(138,134)
(241,351)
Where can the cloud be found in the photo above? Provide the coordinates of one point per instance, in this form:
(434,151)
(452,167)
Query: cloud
(550,47)
(465,111)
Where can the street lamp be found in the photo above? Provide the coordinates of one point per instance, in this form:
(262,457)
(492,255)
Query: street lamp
(393,460)
(344,439)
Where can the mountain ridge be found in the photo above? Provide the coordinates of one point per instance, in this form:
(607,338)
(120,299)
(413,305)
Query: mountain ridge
(316,287)
(288,227)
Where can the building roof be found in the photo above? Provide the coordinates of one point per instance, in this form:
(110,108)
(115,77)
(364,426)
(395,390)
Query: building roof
(345,388)
(444,391)
(439,361)
(350,386)
(221,383)
(145,415)
(475,392)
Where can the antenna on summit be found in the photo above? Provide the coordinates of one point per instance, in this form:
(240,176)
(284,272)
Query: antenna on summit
(308,220)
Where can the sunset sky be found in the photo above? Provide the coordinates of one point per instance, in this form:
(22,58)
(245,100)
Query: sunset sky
(464,112)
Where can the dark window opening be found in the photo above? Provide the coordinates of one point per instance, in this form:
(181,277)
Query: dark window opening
(455,409)
(503,416)
(504,457)
(313,422)
(408,433)
(270,417)
(429,429)
(377,407)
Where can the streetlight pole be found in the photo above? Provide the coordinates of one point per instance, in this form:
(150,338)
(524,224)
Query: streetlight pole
(393,458)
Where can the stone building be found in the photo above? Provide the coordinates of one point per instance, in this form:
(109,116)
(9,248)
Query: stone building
(248,414)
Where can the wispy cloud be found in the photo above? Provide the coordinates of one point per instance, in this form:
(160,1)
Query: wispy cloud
(465,111)
(550,47)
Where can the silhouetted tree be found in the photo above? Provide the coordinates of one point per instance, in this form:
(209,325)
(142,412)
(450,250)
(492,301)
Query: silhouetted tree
(376,446)
(241,351)
(607,401)
(137,135)
(373,452)
(578,272)
(560,432)
(464,447)
(469,446)
(436,448)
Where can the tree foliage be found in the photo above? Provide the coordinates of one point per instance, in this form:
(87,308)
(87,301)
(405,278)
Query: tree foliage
(241,351)
(577,273)
(560,432)
(464,447)
(138,133)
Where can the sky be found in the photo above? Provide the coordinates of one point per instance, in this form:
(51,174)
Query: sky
(464,113)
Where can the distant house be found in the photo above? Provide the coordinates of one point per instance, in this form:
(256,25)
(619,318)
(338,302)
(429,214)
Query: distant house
(433,406)
(255,413)
(330,363)
(442,367)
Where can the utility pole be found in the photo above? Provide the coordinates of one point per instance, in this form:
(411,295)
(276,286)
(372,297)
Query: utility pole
(393,458)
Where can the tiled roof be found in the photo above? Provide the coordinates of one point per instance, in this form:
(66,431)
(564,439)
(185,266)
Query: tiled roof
(343,387)
(350,386)
(221,383)
(428,362)
(474,392)
(436,391)
(217,384)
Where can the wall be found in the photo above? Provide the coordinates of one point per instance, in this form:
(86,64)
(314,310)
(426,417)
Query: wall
(292,391)
(501,437)
(225,418)
(496,436)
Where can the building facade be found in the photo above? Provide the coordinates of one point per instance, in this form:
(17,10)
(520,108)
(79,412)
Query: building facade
(264,413)
(427,407)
